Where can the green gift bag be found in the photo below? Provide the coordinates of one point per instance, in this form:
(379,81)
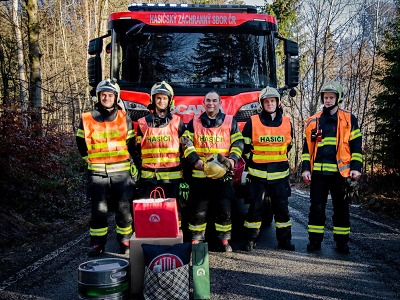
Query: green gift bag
(201,271)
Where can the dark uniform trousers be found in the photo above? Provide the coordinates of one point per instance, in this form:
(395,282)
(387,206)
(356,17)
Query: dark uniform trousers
(116,189)
(217,195)
(320,186)
(279,192)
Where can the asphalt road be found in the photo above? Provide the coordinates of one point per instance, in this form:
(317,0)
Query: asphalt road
(370,271)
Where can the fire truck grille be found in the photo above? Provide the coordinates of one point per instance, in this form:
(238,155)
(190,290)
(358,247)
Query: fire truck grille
(244,115)
(137,114)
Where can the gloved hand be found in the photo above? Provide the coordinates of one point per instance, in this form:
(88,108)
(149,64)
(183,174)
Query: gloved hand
(228,176)
(134,173)
(183,193)
(224,161)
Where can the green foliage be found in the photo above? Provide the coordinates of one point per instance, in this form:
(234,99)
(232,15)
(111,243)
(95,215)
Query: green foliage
(387,103)
(42,176)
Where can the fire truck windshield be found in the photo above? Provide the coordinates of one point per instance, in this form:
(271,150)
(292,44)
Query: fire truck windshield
(192,59)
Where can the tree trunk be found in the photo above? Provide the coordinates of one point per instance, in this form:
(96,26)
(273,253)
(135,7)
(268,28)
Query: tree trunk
(35,89)
(23,83)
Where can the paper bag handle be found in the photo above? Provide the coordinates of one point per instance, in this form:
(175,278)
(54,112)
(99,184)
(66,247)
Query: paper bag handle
(157,191)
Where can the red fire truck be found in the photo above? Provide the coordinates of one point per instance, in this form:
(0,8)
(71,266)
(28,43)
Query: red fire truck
(195,48)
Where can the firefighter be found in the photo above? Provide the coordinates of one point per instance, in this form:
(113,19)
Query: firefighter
(331,155)
(206,135)
(158,144)
(267,140)
(105,139)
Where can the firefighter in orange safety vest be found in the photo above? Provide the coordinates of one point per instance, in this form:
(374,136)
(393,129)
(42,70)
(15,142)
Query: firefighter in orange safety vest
(331,159)
(105,139)
(268,138)
(158,150)
(207,135)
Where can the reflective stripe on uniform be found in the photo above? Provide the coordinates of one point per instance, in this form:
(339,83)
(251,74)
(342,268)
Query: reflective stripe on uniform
(326,167)
(283,224)
(110,168)
(267,175)
(161,175)
(223,228)
(126,230)
(252,225)
(98,231)
(341,230)
(201,227)
(315,228)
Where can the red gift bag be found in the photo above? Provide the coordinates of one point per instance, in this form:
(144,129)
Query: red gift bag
(156,217)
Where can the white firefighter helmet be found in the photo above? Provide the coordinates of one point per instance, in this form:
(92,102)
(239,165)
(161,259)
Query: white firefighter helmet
(161,88)
(270,92)
(332,87)
(213,168)
(108,85)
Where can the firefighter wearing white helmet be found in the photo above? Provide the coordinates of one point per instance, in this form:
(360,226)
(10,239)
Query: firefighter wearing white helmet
(267,140)
(212,143)
(158,144)
(105,140)
(332,154)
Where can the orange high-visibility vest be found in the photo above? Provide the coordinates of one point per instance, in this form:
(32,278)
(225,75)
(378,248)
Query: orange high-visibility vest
(270,143)
(209,141)
(160,146)
(343,154)
(106,141)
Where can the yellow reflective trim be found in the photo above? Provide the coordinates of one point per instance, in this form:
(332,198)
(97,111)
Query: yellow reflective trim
(107,145)
(305,156)
(270,148)
(223,228)
(80,133)
(268,176)
(126,230)
(198,173)
(212,150)
(247,140)
(315,229)
(106,134)
(283,225)
(237,151)
(252,225)
(341,230)
(269,157)
(161,175)
(357,156)
(355,134)
(98,231)
(236,136)
(189,151)
(138,139)
(160,159)
(188,134)
(109,168)
(130,134)
(326,167)
(328,141)
(108,154)
(160,150)
(200,227)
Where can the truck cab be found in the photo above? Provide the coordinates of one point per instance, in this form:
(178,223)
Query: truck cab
(195,48)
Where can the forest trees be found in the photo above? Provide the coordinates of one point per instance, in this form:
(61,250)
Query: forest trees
(387,103)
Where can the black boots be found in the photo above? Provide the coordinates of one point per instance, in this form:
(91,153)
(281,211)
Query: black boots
(124,248)
(313,246)
(342,247)
(249,245)
(286,245)
(96,250)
